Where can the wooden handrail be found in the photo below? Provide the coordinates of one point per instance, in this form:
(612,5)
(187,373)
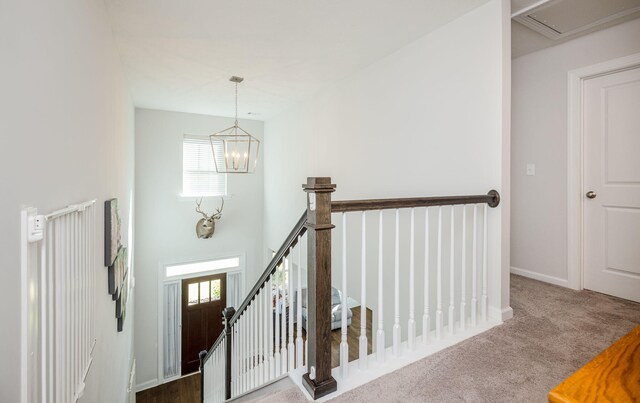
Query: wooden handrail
(492,199)
(291,240)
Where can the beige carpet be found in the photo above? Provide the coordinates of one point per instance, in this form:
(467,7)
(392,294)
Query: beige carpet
(554,332)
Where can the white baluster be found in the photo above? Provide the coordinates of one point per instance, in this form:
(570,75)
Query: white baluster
(276,324)
(411,326)
(58,302)
(254,343)
(396,303)
(241,332)
(270,322)
(463,303)
(451,272)
(247,353)
(363,296)
(251,353)
(380,349)
(299,342)
(291,346)
(474,268)
(259,352)
(344,346)
(484,264)
(234,360)
(283,317)
(426,319)
(266,317)
(51,247)
(439,323)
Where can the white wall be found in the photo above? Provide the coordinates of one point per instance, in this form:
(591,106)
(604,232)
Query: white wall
(429,119)
(66,135)
(539,215)
(165,222)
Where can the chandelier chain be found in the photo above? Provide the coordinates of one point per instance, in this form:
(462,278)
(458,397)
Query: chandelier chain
(236,104)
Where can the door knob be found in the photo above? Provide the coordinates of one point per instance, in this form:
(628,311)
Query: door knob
(591,194)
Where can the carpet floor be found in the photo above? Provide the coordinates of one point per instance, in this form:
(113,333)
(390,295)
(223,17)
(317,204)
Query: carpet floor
(554,331)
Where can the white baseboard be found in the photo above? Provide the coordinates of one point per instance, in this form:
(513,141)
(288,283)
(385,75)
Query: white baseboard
(146,385)
(540,277)
(500,314)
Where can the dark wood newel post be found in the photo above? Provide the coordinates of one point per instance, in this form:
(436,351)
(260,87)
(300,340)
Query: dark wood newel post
(202,354)
(318,381)
(227,314)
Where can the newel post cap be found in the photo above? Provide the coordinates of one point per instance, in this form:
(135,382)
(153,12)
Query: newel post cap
(319,185)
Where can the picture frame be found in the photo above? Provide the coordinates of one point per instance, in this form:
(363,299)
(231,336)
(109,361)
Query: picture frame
(121,302)
(112,229)
(117,272)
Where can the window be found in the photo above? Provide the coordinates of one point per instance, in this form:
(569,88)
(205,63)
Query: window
(199,176)
(199,267)
(209,292)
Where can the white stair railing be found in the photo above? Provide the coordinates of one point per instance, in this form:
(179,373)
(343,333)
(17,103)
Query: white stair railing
(455,270)
(264,339)
(263,344)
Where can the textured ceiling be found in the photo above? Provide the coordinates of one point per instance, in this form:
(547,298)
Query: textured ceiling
(179,55)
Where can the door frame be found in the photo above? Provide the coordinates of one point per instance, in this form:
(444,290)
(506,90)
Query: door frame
(575,160)
(163,279)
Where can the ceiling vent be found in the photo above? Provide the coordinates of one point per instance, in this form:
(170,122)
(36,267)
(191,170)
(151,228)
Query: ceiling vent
(557,19)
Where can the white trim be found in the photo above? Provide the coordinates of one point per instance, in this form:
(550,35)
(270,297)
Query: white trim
(162,280)
(147,385)
(24,303)
(528,8)
(540,277)
(392,363)
(500,314)
(575,79)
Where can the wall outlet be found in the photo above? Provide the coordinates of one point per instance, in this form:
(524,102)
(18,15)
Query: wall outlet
(531,169)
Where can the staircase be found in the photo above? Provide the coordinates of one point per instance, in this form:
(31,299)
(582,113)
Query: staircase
(284,326)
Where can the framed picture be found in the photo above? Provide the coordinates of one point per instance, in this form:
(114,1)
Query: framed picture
(111,231)
(117,272)
(121,302)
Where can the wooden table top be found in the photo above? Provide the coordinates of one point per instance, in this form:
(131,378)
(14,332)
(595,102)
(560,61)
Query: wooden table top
(613,376)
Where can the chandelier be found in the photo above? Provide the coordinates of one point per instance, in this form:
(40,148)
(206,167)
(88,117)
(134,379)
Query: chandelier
(235,150)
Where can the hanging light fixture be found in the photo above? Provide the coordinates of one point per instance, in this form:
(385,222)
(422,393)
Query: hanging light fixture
(235,150)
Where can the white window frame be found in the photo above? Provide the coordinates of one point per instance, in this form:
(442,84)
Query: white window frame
(163,279)
(192,194)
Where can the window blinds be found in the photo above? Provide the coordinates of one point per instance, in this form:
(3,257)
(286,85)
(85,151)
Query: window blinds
(199,176)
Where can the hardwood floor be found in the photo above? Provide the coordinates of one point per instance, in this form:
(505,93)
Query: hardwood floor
(353,335)
(183,390)
(187,390)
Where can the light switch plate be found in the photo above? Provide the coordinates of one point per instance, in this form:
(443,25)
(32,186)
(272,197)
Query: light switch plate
(531,169)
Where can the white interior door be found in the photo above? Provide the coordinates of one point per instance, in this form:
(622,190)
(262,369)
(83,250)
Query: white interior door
(611,124)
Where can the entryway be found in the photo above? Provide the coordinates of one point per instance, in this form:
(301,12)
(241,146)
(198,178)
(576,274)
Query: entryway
(203,299)
(610,124)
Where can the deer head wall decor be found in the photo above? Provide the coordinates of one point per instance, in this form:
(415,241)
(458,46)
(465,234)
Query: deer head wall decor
(207,226)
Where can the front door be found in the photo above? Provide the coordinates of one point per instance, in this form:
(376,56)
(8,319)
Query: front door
(611,128)
(203,300)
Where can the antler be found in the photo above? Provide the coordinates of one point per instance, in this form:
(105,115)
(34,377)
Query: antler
(199,210)
(218,213)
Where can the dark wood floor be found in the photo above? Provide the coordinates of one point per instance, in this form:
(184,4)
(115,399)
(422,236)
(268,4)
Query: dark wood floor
(187,390)
(183,390)
(353,338)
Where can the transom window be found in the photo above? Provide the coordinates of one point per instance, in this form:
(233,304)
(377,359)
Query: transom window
(199,267)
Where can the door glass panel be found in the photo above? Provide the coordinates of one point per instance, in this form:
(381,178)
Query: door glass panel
(215,290)
(193,294)
(204,291)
